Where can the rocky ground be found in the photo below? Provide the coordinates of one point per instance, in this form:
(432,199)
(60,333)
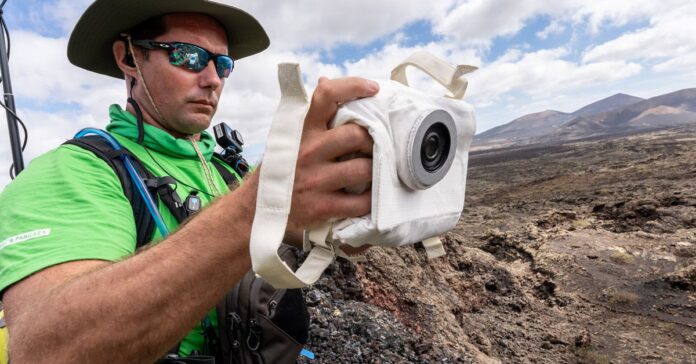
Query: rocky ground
(576,253)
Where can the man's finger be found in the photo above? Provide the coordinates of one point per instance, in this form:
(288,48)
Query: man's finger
(337,176)
(345,139)
(345,205)
(329,94)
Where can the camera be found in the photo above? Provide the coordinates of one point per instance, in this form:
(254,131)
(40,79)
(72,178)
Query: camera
(419,165)
(231,142)
(420,160)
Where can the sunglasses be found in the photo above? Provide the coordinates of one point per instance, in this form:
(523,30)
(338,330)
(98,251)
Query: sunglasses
(191,56)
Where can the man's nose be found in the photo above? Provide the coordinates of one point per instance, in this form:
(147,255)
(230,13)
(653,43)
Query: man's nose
(209,77)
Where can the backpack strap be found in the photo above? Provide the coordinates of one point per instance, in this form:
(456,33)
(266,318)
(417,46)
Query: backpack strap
(230,178)
(145,225)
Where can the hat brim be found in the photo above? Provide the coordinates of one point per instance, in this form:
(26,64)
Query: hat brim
(90,44)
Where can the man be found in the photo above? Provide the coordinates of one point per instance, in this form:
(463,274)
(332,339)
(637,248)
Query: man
(73,289)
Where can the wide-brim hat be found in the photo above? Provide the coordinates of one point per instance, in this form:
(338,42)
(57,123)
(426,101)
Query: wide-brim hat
(90,45)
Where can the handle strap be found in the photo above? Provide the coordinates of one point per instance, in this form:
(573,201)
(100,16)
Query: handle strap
(274,196)
(447,75)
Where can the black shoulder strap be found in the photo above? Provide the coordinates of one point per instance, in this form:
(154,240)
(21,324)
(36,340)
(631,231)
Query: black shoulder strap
(145,224)
(228,176)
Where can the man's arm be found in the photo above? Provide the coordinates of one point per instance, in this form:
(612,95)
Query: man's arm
(134,310)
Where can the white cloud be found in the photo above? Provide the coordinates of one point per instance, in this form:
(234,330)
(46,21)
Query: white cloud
(553,28)
(479,21)
(670,34)
(317,23)
(50,79)
(616,13)
(685,63)
(63,13)
(543,72)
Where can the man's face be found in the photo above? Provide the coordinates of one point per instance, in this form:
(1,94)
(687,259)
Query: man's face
(187,100)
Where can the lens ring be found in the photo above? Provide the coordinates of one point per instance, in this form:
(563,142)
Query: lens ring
(433,145)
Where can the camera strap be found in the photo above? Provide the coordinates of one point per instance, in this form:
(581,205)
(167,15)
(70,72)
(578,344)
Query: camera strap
(276,178)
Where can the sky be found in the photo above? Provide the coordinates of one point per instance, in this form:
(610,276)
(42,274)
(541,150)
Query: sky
(532,55)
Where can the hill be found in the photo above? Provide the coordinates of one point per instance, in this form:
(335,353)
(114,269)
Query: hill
(618,114)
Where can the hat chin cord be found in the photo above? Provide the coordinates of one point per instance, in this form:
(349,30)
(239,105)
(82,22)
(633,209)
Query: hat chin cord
(132,101)
(141,129)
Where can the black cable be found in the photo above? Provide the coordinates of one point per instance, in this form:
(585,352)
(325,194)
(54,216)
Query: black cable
(26,135)
(21,123)
(7,34)
(171,175)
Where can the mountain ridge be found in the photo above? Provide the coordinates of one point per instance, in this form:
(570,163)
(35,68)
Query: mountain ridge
(616,114)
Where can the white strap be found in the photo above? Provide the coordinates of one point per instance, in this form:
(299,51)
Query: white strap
(447,75)
(433,247)
(274,196)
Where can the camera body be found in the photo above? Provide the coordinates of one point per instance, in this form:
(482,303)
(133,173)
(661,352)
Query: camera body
(231,142)
(420,157)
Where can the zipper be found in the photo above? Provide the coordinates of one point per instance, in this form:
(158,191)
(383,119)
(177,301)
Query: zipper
(274,301)
(253,339)
(235,322)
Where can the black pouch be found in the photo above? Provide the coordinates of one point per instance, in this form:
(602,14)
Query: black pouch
(259,324)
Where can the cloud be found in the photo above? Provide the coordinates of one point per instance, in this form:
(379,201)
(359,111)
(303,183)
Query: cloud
(544,72)
(479,21)
(50,78)
(315,23)
(553,28)
(64,13)
(670,34)
(685,63)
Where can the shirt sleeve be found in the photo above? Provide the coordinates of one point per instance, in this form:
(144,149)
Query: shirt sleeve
(67,205)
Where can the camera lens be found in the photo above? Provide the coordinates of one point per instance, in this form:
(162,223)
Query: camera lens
(432,147)
(435,147)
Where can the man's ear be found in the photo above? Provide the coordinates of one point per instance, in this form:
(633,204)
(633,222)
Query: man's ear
(123,58)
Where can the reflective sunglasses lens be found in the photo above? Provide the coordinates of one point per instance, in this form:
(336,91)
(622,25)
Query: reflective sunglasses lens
(189,56)
(224,66)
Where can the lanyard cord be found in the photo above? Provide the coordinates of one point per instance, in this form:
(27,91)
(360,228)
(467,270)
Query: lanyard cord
(166,172)
(204,165)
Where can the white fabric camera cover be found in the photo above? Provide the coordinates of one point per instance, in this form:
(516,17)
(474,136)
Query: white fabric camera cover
(400,215)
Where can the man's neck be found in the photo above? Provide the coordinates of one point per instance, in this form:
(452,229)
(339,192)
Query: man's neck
(148,119)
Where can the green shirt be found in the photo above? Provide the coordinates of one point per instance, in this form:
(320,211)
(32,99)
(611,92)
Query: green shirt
(69,205)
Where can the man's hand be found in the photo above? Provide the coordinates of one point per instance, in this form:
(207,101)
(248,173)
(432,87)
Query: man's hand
(320,177)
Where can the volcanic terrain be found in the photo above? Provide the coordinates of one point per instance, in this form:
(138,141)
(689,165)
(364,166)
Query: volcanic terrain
(579,252)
